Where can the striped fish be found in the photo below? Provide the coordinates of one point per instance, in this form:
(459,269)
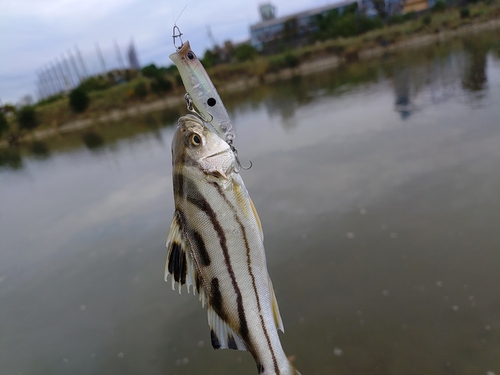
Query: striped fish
(215,244)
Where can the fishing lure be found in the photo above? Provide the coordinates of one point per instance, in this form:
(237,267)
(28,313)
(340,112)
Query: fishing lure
(201,92)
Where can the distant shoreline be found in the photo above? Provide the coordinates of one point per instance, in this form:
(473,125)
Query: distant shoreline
(319,64)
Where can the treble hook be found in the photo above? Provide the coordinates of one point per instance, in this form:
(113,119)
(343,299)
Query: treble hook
(178,35)
(190,107)
(237,170)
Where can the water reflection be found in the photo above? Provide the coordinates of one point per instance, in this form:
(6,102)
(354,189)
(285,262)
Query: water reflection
(39,149)
(92,140)
(475,78)
(402,90)
(10,158)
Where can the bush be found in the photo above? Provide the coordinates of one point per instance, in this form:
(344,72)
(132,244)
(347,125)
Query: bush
(426,20)
(26,117)
(464,13)
(160,85)
(94,84)
(141,90)
(78,100)
(291,61)
(4,124)
(439,6)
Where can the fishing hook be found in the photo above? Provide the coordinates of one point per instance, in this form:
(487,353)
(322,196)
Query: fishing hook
(237,170)
(177,35)
(190,107)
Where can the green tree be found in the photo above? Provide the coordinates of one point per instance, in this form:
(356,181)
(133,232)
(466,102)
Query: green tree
(150,71)
(244,52)
(160,84)
(4,124)
(210,58)
(27,118)
(79,100)
(439,6)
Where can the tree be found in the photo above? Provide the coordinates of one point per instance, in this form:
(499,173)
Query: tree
(26,117)
(4,124)
(78,100)
(380,7)
(150,71)
(160,84)
(244,52)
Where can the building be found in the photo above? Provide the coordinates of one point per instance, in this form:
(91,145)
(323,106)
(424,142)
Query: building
(298,26)
(417,5)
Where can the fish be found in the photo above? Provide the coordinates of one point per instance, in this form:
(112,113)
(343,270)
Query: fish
(216,246)
(202,91)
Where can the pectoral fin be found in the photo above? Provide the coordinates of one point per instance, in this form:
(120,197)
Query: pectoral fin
(179,261)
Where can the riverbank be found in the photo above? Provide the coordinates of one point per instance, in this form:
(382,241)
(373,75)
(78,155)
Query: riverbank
(310,59)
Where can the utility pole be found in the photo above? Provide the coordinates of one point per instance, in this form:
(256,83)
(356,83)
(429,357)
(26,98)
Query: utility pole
(65,79)
(50,81)
(211,36)
(119,56)
(39,84)
(85,72)
(75,68)
(99,55)
(68,72)
(57,79)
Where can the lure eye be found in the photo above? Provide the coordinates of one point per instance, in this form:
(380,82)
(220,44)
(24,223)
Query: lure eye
(211,102)
(195,140)
(190,55)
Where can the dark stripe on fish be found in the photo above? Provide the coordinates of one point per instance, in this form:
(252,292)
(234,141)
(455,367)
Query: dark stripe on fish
(202,250)
(188,190)
(249,265)
(216,298)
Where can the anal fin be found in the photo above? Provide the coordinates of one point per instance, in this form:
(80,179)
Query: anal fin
(222,335)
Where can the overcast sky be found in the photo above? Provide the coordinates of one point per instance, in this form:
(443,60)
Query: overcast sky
(38,33)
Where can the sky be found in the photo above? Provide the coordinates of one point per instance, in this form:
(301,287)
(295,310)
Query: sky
(38,33)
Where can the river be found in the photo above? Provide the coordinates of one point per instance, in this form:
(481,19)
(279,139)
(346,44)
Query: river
(378,187)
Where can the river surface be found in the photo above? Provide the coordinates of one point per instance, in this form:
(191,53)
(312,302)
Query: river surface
(378,187)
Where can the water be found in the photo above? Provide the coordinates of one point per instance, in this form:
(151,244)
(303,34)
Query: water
(378,187)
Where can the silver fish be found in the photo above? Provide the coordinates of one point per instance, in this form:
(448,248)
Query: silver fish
(215,244)
(202,91)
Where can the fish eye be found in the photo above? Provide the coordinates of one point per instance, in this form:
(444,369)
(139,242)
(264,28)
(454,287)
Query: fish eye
(195,140)
(190,55)
(211,102)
